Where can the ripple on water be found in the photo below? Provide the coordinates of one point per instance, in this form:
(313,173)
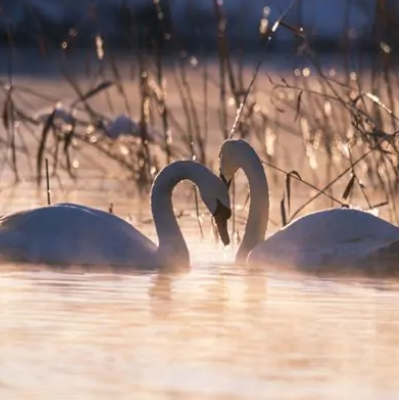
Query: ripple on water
(215,332)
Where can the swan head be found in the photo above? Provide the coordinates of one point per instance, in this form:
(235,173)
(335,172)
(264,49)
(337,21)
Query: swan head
(217,201)
(229,158)
(221,215)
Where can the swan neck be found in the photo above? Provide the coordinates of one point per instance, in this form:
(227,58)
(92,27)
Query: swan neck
(172,248)
(258,215)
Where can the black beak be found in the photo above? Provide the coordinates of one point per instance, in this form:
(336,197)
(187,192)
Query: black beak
(221,216)
(225,181)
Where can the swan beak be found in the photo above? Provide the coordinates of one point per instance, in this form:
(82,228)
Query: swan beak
(221,216)
(221,223)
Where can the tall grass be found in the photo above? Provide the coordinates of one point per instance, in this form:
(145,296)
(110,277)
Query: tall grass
(323,133)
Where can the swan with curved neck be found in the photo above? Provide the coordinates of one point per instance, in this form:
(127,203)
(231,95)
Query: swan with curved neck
(70,234)
(238,154)
(327,240)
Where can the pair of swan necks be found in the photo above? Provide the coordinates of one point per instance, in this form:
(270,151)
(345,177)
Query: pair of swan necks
(234,155)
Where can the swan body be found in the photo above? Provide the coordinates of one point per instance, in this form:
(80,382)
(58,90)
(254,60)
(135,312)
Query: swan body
(331,240)
(70,234)
(323,241)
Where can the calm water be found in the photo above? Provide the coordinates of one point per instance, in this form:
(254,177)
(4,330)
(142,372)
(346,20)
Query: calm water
(215,332)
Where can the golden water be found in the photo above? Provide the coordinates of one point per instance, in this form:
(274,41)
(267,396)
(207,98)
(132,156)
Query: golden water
(214,332)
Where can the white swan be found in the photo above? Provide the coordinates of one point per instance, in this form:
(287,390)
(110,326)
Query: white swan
(328,240)
(70,234)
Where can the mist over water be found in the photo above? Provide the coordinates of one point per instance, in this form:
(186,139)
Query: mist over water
(217,331)
(214,333)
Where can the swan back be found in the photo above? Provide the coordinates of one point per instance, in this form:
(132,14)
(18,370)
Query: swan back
(336,225)
(332,238)
(72,234)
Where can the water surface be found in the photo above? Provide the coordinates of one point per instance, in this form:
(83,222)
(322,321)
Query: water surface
(215,332)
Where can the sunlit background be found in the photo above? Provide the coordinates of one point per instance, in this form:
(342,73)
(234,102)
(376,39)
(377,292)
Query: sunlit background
(106,93)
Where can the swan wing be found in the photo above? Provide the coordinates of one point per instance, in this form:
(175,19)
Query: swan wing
(327,239)
(72,234)
(335,226)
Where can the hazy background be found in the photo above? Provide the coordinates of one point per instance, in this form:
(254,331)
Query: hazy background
(192,22)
